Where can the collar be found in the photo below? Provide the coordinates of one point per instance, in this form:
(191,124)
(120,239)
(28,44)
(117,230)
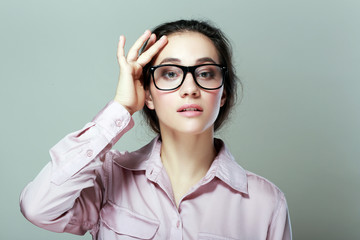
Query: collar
(224,166)
(227,169)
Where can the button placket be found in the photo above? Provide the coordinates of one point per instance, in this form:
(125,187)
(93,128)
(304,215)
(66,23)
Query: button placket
(176,231)
(178,224)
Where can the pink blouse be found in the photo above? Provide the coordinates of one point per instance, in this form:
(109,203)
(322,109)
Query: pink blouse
(128,195)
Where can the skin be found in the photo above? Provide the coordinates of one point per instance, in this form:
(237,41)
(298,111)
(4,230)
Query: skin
(187,141)
(130,92)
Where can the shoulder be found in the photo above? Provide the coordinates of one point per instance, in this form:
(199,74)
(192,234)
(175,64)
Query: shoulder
(253,185)
(261,189)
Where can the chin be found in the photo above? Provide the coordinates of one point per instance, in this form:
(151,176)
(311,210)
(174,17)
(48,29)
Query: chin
(192,129)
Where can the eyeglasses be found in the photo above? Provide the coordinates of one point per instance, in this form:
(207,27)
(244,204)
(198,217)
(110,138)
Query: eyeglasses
(169,77)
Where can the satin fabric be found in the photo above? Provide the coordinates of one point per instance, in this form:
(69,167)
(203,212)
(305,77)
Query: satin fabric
(128,195)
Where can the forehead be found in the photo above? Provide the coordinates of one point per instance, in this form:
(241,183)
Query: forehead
(188,47)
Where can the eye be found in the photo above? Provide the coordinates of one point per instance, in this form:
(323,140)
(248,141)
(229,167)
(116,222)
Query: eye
(205,73)
(168,73)
(208,73)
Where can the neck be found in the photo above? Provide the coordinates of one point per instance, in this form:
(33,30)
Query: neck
(187,156)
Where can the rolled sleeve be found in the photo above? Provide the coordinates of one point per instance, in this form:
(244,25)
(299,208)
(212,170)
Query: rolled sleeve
(80,148)
(67,194)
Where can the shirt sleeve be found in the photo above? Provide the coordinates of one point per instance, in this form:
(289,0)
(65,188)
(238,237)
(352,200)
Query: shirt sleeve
(66,195)
(280,227)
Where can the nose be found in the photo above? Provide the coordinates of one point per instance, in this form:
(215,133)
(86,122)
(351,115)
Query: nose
(189,87)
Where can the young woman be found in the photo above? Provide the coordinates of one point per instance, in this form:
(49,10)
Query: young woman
(184,184)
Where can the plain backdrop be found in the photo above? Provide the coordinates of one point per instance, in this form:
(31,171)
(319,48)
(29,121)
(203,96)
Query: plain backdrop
(298,123)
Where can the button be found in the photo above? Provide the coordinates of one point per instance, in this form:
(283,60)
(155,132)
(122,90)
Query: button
(178,224)
(89,153)
(118,122)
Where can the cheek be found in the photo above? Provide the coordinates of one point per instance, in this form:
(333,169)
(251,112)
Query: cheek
(214,105)
(161,99)
(215,98)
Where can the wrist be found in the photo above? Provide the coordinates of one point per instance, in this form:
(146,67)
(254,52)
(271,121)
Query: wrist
(124,105)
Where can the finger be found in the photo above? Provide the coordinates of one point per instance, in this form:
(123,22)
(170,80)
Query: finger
(146,57)
(134,50)
(150,42)
(121,45)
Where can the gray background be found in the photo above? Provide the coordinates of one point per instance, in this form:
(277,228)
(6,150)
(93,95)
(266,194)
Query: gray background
(297,125)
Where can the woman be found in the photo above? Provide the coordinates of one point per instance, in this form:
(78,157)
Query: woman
(184,184)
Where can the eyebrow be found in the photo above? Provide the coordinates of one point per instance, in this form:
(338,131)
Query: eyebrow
(198,61)
(205,59)
(170,60)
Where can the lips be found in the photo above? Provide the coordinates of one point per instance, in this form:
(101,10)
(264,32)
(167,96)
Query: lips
(190,108)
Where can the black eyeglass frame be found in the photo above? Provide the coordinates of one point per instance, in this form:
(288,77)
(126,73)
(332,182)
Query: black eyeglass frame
(190,69)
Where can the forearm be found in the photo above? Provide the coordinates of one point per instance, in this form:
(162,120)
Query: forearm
(50,206)
(49,201)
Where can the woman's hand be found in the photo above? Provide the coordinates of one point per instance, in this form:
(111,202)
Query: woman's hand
(130,91)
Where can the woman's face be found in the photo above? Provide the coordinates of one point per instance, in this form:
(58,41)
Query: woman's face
(189,108)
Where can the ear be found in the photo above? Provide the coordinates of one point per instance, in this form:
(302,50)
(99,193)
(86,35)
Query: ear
(148,100)
(223,98)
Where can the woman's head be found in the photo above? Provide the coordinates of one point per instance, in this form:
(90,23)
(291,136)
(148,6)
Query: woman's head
(224,54)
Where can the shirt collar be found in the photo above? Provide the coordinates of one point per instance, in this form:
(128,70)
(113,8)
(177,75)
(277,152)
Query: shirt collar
(223,167)
(227,169)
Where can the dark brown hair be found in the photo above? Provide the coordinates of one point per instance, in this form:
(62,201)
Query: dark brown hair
(224,51)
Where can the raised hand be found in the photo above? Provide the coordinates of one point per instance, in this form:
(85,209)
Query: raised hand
(130,91)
